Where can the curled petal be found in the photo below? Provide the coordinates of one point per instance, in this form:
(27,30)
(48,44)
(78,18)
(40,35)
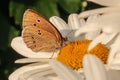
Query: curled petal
(107,2)
(19,46)
(93,68)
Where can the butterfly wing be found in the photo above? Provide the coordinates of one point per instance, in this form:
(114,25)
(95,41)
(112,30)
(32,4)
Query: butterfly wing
(38,39)
(33,20)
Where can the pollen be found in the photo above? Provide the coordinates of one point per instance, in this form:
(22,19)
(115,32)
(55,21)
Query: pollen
(73,53)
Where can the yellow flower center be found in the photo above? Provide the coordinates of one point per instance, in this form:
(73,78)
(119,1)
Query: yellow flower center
(72,54)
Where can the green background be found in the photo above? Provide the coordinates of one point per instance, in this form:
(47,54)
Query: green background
(11,12)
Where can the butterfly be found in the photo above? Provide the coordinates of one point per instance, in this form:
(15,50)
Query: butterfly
(39,34)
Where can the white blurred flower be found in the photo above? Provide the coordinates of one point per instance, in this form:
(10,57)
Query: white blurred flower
(111,6)
(108,23)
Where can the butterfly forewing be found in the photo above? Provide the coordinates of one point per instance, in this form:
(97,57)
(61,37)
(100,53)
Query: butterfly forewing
(32,18)
(38,33)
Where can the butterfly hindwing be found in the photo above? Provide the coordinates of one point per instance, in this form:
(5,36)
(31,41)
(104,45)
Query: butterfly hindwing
(39,40)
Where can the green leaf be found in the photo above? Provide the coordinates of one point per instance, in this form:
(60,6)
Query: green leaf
(4,32)
(70,6)
(13,32)
(16,11)
(7,32)
(47,8)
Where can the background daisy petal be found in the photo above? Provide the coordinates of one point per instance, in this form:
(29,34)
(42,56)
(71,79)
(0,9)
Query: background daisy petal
(99,11)
(107,2)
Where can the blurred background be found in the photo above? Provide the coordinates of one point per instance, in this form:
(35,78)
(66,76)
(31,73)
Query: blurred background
(11,12)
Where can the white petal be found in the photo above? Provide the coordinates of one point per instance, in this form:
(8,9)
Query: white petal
(18,74)
(110,23)
(115,47)
(93,18)
(115,64)
(93,68)
(87,28)
(58,22)
(31,60)
(82,22)
(103,38)
(93,34)
(61,25)
(73,21)
(99,11)
(113,74)
(19,46)
(75,24)
(116,60)
(107,2)
(45,73)
(65,73)
(65,29)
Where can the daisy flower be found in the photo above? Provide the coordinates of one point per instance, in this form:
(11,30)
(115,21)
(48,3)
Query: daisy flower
(67,30)
(96,36)
(41,58)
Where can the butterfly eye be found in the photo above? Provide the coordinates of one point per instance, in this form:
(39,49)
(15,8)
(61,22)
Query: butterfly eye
(39,32)
(34,24)
(32,37)
(38,20)
(33,41)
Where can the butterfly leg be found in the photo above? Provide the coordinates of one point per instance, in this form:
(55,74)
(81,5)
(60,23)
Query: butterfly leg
(52,54)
